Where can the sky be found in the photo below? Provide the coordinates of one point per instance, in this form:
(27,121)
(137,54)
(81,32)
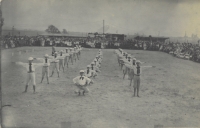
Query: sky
(148,17)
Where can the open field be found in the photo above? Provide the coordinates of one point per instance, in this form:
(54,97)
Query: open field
(170,93)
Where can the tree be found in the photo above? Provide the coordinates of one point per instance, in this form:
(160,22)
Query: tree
(52,29)
(95,34)
(64,31)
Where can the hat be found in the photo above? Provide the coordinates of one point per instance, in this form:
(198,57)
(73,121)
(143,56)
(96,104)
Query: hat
(82,71)
(66,48)
(30,58)
(46,55)
(95,60)
(92,63)
(55,53)
(134,59)
(88,66)
(138,62)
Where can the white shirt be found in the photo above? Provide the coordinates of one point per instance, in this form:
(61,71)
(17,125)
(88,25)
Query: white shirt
(26,65)
(71,53)
(81,80)
(66,54)
(137,70)
(55,59)
(46,61)
(61,57)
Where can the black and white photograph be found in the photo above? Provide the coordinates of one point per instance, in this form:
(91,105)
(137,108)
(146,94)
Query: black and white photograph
(100,64)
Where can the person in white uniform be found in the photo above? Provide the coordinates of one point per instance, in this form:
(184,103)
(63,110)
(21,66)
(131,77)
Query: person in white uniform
(137,73)
(53,50)
(126,63)
(61,60)
(66,57)
(45,68)
(71,55)
(30,67)
(76,52)
(82,82)
(54,63)
(96,63)
(95,68)
(90,73)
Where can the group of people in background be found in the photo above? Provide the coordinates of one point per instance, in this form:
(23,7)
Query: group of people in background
(181,50)
(86,76)
(19,41)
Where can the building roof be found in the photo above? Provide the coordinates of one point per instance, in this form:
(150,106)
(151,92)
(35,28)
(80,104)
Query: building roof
(63,35)
(151,38)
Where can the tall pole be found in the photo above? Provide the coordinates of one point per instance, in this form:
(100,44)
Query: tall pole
(103,27)
(1,19)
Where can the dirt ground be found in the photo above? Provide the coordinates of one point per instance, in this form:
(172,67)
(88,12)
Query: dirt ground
(170,93)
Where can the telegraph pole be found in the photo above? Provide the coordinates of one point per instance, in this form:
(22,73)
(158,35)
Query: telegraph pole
(103,27)
(1,19)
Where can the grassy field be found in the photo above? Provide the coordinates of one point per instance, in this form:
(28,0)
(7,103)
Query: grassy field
(170,93)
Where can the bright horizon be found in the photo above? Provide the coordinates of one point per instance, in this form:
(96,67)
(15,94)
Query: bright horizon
(148,17)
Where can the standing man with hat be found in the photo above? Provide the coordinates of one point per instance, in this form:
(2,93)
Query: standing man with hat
(126,66)
(45,69)
(55,62)
(137,73)
(61,60)
(53,50)
(79,50)
(74,54)
(30,67)
(66,57)
(81,83)
(131,70)
(71,55)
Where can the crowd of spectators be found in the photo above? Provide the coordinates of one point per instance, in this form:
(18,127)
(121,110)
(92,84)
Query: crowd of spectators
(181,50)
